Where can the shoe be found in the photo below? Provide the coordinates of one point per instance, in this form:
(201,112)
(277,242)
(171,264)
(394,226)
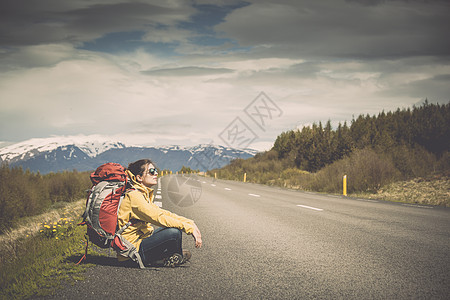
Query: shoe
(177,259)
(174,260)
(186,255)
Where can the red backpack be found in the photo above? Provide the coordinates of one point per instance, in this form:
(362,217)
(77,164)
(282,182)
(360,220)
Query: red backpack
(102,205)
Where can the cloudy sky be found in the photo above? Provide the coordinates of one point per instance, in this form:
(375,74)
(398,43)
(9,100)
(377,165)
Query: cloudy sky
(227,72)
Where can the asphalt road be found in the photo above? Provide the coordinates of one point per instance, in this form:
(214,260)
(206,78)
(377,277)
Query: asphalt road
(269,243)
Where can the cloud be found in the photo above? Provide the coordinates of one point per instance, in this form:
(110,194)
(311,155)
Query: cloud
(188,71)
(36,56)
(168,35)
(341,29)
(48,21)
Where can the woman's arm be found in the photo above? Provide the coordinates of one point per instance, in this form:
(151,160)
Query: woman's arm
(197,237)
(151,213)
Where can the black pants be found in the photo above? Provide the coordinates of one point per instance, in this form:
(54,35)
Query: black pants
(161,244)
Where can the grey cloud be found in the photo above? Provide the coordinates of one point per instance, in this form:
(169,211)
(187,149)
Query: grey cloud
(187,71)
(435,89)
(48,21)
(342,29)
(124,16)
(378,2)
(35,56)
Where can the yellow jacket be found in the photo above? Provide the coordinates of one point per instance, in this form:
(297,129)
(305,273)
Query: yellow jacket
(137,205)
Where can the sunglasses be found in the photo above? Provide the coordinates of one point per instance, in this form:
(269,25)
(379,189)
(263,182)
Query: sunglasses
(152,171)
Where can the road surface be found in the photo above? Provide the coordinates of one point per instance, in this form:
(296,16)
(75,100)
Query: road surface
(263,242)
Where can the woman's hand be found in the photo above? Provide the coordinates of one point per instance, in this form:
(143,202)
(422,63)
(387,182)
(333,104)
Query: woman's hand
(197,237)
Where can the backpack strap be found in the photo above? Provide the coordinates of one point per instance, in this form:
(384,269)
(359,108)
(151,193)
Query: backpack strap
(85,249)
(121,230)
(126,249)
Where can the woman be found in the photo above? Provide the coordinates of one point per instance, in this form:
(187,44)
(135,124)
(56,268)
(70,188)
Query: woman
(163,245)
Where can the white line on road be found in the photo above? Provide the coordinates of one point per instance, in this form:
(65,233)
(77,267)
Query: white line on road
(158,197)
(213,185)
(254,195)
(228,189)
(310,207)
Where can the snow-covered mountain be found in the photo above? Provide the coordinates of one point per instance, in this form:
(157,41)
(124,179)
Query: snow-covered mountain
(90,145)
(85,153)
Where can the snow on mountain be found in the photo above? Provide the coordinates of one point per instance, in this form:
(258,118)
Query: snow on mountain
(91,145)
(206,147)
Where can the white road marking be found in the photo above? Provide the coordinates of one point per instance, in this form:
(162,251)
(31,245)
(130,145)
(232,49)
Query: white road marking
(157,203)
(228,189)
(158,197)
(310,207)
(213,185)
(254,195)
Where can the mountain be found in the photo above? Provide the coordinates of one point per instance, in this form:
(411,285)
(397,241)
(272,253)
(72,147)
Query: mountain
(85,153)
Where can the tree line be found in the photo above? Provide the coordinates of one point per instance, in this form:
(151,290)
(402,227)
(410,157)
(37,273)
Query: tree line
(426,128)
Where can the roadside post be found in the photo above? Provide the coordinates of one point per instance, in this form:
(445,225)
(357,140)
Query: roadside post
(345,186)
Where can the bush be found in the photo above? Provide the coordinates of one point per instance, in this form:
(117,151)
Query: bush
(365,170)
(413,162)
(295,178)
(25,194)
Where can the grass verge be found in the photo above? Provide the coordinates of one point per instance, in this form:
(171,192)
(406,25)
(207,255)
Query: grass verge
(34,264)
(428,191)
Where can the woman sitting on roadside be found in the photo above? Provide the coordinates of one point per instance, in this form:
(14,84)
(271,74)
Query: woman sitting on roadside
(160,247)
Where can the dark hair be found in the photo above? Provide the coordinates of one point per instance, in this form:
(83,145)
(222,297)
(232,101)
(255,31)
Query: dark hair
(138,167)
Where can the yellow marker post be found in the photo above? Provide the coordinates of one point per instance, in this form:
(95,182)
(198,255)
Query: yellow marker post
(215,175)
(245,177)
(345,185)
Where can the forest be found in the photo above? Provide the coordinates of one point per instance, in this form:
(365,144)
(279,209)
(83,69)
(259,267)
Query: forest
(372,151)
